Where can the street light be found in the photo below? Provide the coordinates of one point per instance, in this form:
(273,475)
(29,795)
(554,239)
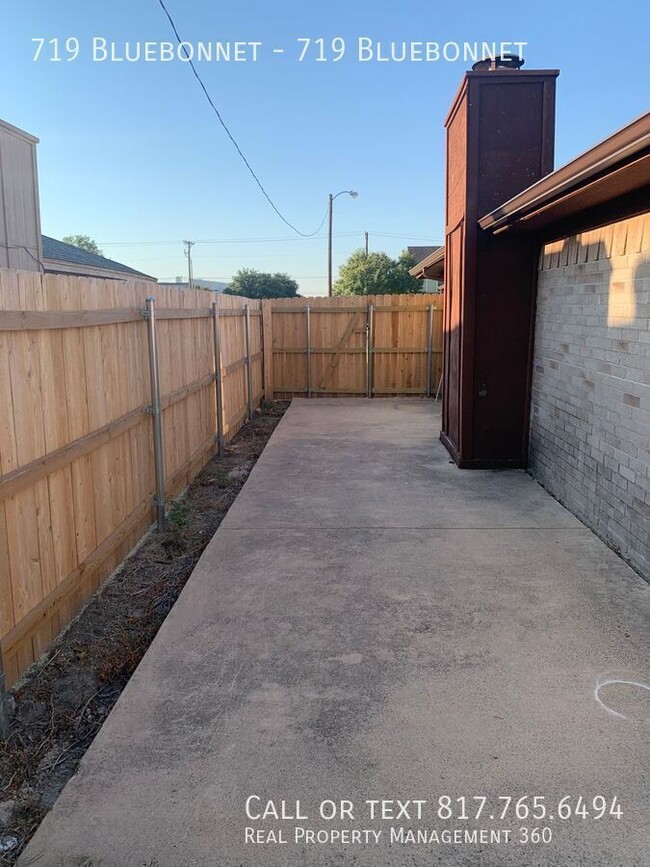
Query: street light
(353,194)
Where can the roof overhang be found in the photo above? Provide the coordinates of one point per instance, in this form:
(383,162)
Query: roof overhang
(617,166)
(60,266)
(19,133)
(431,268)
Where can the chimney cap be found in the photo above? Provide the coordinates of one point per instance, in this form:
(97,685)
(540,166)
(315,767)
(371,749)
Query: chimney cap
(501,61)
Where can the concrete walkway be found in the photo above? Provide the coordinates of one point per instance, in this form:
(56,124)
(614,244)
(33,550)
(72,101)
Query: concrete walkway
(370,622)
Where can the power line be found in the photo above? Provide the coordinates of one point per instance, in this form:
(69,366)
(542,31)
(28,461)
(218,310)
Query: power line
(251,257)
(26,250)
(230,135)
(406,237)
(225,241)
(265,240)
(228,279)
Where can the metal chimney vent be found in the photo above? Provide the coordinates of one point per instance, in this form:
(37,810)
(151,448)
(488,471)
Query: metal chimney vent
(503,61)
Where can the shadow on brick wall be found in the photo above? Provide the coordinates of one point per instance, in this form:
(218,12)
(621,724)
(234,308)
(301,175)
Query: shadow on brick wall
(642,272)
(587,434)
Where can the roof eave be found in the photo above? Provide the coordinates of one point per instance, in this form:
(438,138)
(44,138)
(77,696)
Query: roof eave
(431,268)
(19,133)
(618,152)
(76,269)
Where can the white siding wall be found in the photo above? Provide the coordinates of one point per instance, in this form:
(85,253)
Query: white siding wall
(20,229)
(590,412)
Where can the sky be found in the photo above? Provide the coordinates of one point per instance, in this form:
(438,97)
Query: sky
(132,154)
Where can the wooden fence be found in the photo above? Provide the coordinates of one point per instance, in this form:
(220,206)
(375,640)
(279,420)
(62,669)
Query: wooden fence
(379,345)
(76,449)
(77,467)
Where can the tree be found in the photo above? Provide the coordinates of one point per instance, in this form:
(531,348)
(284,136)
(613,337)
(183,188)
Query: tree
(256,284)
(376,274)
(84,243)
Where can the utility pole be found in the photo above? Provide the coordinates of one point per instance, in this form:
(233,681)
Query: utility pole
(366,245)
(187,246)
(329,248)
(353,194)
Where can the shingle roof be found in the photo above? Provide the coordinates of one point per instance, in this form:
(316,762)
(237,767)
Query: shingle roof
(62,252)
(432,267)
(420,253)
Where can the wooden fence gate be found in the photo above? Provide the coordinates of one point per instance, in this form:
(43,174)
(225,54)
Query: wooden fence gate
(371,346)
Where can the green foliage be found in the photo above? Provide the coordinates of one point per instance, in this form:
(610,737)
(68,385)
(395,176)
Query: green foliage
(376,274)
(179,513)
(257,284)
(84,243)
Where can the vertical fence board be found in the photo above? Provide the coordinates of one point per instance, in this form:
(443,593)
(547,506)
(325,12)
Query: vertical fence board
(8,442)
(267,340)
(7,619)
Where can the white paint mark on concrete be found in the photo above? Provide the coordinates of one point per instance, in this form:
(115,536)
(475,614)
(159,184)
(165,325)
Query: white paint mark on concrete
(608,681)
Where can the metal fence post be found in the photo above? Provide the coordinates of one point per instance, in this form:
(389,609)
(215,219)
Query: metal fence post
(308,313)
(156,413)
(369,352)
(216,339)
(249,369)
(430,350)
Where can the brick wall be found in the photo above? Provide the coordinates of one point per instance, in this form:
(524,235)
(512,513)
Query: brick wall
(590,410)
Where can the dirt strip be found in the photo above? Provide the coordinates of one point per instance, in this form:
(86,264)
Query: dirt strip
(61,703)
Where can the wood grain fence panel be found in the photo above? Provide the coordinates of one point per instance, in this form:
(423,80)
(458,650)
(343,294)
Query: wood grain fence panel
(70,368)
(9,296)
(47,561)
(83,506)
(7,619)
(95,385)
(400,342)
(24,367)
(62,527)
(23,552)
(8,439)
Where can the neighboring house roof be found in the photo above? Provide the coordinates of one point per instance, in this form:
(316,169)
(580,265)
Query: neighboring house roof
(198,282)
(431,267)
(62,258)
(420,253)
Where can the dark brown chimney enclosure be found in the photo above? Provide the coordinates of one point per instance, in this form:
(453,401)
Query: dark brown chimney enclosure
(500,140)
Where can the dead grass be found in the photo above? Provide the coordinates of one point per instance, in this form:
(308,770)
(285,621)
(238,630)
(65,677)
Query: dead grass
(65,698)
